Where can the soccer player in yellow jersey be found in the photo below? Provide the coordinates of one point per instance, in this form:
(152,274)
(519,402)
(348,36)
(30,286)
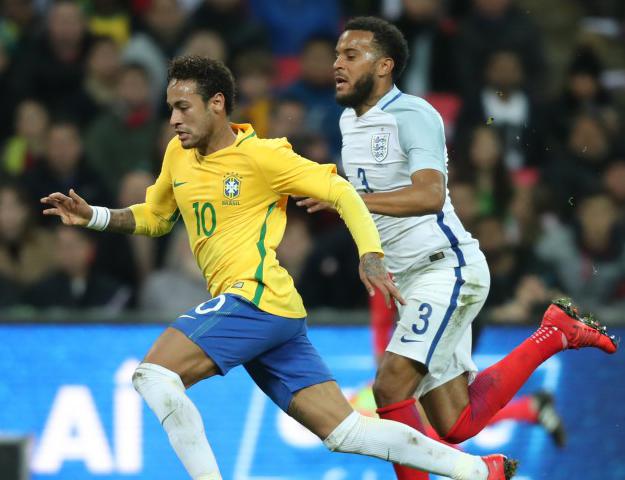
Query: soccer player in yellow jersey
(231,190)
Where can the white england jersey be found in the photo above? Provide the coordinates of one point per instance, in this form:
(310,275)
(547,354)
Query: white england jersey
(381,150)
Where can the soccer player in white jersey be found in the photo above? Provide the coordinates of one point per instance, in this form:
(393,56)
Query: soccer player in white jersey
(394,153)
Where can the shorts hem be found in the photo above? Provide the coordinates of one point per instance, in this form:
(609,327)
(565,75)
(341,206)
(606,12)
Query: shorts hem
(222,370)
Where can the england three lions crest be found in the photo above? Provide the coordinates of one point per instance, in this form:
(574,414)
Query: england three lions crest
(379,146)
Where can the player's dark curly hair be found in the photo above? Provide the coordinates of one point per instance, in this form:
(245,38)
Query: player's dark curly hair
(387,38)
(211,77)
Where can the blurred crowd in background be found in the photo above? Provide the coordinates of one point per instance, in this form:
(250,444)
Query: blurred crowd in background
(532,94)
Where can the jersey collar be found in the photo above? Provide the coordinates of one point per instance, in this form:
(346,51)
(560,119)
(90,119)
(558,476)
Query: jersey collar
(390,96)
(242,131)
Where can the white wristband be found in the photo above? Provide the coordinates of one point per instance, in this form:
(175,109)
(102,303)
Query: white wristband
(100,218)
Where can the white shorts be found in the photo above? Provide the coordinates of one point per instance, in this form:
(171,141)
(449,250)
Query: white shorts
(434,327)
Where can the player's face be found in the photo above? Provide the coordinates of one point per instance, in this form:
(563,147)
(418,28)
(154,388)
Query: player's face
(192,118)
(354,67)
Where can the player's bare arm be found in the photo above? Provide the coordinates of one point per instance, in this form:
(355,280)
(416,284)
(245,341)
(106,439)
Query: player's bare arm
(74,210)
(373,274)
(122,221)
(425,196)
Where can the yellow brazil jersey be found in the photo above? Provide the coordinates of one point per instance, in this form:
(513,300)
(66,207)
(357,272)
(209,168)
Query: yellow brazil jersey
(233,204)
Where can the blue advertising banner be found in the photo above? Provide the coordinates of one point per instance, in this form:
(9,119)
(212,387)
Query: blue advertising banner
(69,389)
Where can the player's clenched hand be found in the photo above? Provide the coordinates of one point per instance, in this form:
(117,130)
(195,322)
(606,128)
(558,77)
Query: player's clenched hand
(374,275)
(313,205)
(73,210)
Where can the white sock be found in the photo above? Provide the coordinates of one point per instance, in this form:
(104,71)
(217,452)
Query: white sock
(398,443)
(165,394)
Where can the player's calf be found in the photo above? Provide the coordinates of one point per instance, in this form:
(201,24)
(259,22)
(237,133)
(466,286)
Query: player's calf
(165,394)
(400,444)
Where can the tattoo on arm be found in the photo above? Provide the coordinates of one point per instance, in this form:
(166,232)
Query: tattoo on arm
(122,221)
(372,265)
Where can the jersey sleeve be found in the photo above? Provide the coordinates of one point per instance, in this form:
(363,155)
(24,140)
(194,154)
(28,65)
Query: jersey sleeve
(158,214)
(422,138)
(287,173)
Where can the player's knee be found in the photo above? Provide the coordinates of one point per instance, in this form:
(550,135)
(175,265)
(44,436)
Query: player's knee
(148,374)
(385,391)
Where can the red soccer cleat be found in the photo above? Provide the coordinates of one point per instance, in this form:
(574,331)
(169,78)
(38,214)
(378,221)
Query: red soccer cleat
(499,467)
(578,331)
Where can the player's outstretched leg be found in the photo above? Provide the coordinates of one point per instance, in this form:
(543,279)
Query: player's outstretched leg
(562,327)
(163,390)
(323,409)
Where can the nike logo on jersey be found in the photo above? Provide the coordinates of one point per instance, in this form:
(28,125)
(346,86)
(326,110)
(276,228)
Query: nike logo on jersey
(408,340)
(177,184)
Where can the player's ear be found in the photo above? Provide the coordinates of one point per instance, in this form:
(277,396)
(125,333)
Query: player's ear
(385,66)
(218,103)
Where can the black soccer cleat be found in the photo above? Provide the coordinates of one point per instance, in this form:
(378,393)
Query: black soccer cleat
(549,418)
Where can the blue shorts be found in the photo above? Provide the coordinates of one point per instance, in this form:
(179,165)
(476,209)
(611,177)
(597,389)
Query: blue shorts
(274,350)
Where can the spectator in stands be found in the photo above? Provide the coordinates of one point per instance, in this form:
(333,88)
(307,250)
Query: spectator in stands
(292,22)
(430,36)
(485,169)
(160,34)
(64,166)
(579,167)
(24,149)
(206,43)
(296,242)
(529,209)
(329,277)
(588,258)
(102,70)
(19,22)
(503,104)
(25,249)
(129,260)
(51,69)
(583,93)
(122,139)
(7,95)
(288,118)
(164,23)
(614,184)
(74,283)
(492,26)
(110,18)
(509,266)
(232,21)
(253,72)
(316,90)
(464,198)
(179,285)
(312,146)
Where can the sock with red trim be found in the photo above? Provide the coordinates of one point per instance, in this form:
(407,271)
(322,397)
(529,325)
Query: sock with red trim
(495,386)
(405,412)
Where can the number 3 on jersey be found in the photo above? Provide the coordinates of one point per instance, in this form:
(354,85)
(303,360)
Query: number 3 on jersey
(363,178)
(425,310)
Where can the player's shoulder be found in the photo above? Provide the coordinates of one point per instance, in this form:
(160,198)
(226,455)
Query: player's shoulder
(174,146)
(268,144)
(174,150)
(347,114)
(412,109)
